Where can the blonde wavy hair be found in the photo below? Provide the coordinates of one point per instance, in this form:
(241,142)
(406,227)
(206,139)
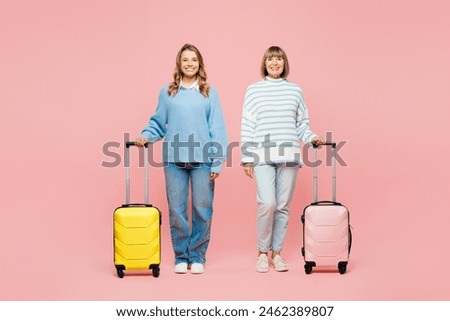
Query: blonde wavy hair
(178,74)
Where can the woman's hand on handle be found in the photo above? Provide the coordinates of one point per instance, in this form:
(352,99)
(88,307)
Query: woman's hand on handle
(317,140)
(140,141)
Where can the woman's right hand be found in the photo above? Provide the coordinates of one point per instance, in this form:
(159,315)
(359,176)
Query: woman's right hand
(140,141)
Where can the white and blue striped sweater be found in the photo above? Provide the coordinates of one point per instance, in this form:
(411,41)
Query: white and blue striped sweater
(274,120)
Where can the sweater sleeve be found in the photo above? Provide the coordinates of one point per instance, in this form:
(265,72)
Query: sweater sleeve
(217,133)
(248,127)
(156,127)
(302,123)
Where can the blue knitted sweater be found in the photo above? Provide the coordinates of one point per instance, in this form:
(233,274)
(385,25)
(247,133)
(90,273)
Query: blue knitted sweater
(193,127)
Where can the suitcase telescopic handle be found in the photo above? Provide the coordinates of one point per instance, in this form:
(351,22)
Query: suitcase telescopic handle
(333,162)
(128,144)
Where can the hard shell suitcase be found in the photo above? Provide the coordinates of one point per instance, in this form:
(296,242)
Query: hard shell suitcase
(326,229)
(137,229)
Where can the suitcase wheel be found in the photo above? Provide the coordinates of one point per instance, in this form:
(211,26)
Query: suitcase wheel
(308,269)
(155,271)
(342,266)
(120,272)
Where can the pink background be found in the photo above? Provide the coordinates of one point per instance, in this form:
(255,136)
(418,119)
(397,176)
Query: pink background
(75,75)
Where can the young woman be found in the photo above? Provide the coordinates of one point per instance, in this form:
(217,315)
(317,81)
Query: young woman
(274,120)
(189,117)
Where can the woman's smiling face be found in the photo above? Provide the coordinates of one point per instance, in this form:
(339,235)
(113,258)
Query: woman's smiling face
(189,64)
(275,66)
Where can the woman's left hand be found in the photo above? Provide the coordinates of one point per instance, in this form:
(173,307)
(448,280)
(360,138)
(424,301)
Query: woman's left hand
(213,176)
(318,140)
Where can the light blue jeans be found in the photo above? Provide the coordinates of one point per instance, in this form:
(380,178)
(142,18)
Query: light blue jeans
(275,184)
(189,242)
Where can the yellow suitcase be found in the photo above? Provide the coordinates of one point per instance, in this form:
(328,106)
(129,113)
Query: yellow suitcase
(137,230)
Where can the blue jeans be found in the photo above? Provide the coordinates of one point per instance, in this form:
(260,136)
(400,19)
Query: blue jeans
(189,243)
(275,184)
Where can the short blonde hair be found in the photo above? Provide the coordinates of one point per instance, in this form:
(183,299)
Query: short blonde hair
(274,51)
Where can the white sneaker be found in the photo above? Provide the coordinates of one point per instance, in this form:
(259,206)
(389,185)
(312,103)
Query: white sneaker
(262,263)
(279,264)
(181,268)
(197,268)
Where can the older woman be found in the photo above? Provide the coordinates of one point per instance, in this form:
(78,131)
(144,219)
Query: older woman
(274,120)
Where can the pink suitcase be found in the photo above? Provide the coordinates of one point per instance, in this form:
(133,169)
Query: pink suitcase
(326,229)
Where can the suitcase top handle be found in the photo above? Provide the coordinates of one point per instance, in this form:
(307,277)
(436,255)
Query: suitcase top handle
(332,144)
(326,203)
(130,143)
